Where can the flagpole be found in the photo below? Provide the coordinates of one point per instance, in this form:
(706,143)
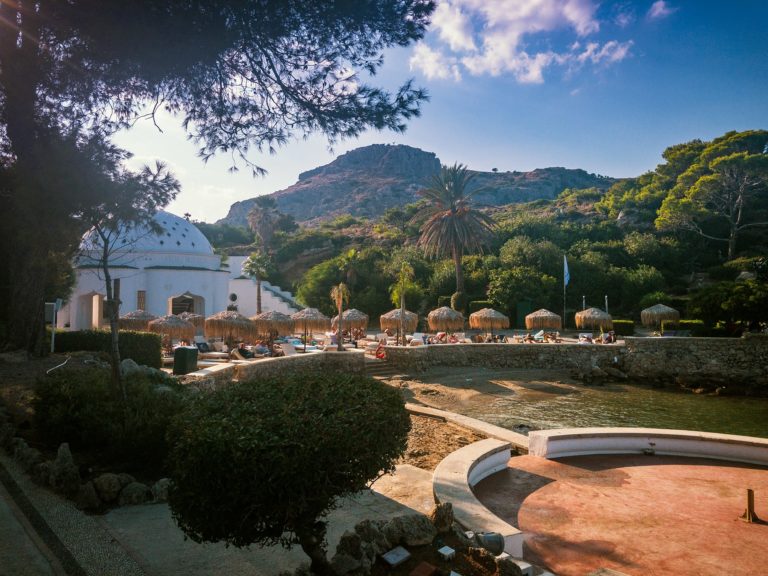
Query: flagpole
(565,283)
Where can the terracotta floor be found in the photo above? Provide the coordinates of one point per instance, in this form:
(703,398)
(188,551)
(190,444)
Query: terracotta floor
(641,515)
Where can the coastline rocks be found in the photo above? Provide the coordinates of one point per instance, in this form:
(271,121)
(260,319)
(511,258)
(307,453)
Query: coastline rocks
(108,486)
(86,498)
(41,473)
(65,476)
(442,517)
(410,530)
(135,493)
(160,489)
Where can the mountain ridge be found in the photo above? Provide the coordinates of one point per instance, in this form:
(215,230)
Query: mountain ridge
(369,180)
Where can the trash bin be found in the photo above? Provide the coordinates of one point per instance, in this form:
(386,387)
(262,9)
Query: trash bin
(184,360)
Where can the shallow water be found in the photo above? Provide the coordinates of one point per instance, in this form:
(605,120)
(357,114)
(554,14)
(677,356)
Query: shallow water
(542,407)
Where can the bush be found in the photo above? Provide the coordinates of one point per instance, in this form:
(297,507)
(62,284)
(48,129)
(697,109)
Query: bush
(443,301)
(144,348)
(624,327)
(262,461)
(476,305)
(459,301)
(694,327)
(83,408)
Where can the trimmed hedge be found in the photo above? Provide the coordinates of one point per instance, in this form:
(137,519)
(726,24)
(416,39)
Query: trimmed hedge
(624,327)
(141,347)
(476,305)
(443,301)
(82,407)
(693,327)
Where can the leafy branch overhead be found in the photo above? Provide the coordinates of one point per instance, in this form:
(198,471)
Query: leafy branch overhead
(243,77)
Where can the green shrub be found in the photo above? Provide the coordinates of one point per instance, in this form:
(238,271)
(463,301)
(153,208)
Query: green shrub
(142,347)
(476,305)
(693,327)
(83,408)
(459,301)
(443,301)
(263,461)
(624,327)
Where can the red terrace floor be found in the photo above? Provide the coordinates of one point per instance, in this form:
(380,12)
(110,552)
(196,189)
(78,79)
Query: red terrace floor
(641,515)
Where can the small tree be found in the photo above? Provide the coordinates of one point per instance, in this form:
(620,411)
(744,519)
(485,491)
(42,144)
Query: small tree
(257,266)
(134,200)
(340,295)
(262,462)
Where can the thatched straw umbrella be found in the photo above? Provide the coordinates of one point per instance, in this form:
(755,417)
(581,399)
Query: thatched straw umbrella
(594,318)
(197,320)
(655,315)
(488,319)
(309,320)
(445,319)
(272,324)
(353,318)
(136,320)
(542,319)
(230,326)
(171,327)
(399,317)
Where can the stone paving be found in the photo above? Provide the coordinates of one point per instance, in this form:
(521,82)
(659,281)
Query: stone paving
(633,513)
(144,540)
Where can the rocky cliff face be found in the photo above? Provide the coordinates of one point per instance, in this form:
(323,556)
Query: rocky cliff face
(369,180)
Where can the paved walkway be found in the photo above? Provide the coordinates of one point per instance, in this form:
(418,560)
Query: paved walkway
(633,513)
(42,534)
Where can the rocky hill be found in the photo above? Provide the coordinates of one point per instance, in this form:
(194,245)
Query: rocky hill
(369,180)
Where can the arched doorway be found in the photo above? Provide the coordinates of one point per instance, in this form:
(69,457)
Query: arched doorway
(186,302)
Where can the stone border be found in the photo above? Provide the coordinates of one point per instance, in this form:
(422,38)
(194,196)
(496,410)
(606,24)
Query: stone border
(454,478)
(212,377)
(584,441)
(519,442)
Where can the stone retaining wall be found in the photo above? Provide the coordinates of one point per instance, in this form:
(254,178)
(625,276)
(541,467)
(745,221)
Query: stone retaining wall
(521,356)
(350,361)
(738,363)
(741,362)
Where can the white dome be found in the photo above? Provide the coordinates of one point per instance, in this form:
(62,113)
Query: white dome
(177,236)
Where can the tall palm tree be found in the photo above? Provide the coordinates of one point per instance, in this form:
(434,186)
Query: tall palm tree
(340,295)
(256,266)
(451,226)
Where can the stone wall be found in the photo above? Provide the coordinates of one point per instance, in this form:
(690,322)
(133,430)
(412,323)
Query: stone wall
(580,357)
(350,361)
(700,362)
(740,364)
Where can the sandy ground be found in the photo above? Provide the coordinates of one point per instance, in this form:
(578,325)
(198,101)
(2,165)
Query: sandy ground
(455,389)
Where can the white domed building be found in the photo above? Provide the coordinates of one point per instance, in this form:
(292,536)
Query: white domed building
(167,272)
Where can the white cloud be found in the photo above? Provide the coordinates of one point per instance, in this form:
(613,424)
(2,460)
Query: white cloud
(497,38)
(433,63)
(660,9)
(453,26)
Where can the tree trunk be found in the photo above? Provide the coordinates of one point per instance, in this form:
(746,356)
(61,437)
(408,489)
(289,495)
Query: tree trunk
(27,270)
(311,539)
(456,253)
(258,295)
(340,335)
(732,245)
(113,309)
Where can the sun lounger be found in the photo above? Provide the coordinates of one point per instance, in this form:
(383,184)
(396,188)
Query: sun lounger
(288,349)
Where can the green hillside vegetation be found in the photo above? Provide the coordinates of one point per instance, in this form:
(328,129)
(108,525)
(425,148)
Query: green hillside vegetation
(681,235)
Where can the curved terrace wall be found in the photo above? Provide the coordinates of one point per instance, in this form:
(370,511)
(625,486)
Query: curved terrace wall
(736,362)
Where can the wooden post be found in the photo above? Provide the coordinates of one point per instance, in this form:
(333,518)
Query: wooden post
(749,514)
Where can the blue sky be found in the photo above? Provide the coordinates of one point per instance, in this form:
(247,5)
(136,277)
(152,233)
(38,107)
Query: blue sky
(524,84)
